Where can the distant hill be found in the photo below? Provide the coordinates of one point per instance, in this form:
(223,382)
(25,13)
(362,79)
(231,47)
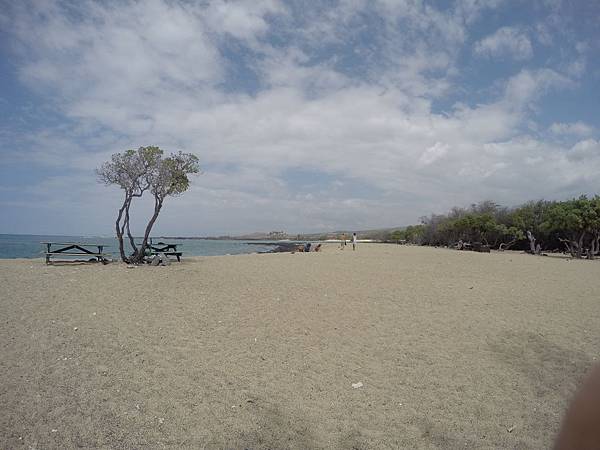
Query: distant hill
(378,235)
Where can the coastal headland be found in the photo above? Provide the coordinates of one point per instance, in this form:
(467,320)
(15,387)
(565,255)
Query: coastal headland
(385,347)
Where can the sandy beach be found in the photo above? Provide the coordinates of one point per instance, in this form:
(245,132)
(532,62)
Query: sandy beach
(453,349)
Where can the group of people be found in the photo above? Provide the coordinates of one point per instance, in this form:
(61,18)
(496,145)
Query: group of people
(343,241)
(308,247)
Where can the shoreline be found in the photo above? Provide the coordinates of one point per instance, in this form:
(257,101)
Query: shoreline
(290,247)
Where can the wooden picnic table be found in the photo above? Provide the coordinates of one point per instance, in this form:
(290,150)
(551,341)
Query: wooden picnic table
(75,249)
(167,249)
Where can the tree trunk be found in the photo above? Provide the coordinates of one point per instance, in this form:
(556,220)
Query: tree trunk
(580,245)
(139,255)
(119,227)
(570,246)
(131,240)
(593,250)
(531,242)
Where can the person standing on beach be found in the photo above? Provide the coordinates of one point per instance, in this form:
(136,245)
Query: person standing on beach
(354,241)
(343,241)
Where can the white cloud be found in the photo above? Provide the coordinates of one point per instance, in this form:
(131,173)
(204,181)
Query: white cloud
(374,145)
(433,153)
(506,41)
(588,149)
(243,19)
(575,128)
(470,10)
(529,85)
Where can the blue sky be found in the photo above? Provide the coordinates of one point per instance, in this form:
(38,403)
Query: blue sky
(305,115)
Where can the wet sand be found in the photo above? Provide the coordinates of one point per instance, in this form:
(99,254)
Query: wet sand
(453,349)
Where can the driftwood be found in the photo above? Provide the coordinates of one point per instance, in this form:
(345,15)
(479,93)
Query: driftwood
(506,245)
(534,249)
(475,246)
(480,247)
(575,247)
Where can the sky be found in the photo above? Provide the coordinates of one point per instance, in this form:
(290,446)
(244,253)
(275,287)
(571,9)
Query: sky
(306,115)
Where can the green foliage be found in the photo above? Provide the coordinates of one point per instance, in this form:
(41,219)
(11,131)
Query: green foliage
(573,223)
(170,178)
(398,235)
(412,234)
(573,216)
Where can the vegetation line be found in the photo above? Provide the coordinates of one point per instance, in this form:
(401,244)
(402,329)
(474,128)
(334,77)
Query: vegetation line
(572,226)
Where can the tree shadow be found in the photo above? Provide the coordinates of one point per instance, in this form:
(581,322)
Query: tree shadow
(550,368)
(545,371)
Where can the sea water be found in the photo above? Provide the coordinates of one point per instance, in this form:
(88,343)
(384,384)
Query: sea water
(29,246)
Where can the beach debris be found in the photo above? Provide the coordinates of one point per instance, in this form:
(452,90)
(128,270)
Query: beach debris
(129,266)
(75,328)
(54,430)
(357,385)
(511,429)
(255,340)
(161,420)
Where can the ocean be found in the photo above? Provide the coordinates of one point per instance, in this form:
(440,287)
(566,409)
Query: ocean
(28,246)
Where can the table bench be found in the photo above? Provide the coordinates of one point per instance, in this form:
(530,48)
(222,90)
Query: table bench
(167,249)
(75,249)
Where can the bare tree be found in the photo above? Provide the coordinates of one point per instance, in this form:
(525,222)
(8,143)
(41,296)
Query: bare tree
(534,249)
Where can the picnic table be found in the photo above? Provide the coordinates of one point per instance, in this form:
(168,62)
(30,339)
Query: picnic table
(167,249)
(93,251)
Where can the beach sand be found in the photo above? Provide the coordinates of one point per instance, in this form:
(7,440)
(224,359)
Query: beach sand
(453,349)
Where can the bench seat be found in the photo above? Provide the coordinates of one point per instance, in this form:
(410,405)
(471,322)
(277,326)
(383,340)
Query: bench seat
(99,256)
(176,254)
